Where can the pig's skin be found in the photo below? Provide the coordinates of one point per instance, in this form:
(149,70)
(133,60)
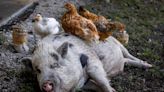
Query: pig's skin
(114,55)
(67,73)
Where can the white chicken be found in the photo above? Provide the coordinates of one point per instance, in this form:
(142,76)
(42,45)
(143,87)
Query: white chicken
(44,26)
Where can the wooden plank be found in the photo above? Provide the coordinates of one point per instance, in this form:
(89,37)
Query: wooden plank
(12,16)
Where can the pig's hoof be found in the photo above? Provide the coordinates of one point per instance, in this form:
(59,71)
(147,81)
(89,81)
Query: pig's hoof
(147,65)
(113,90)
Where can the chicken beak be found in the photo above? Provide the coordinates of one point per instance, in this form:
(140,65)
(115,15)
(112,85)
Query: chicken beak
(36,19)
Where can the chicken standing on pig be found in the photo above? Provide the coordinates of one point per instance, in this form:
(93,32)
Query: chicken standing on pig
(77,25)
(44,26)
(104,26)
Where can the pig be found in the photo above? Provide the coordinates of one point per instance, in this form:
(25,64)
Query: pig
(114,56)
(64,63)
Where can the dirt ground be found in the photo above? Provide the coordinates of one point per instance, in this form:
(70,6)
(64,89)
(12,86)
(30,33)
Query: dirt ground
(144,22)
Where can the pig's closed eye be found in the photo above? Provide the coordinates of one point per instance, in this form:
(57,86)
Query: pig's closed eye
(38,70)
(55,56)
(55,65)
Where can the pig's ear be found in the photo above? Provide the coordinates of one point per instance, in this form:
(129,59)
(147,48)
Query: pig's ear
(63,49)
(27,61)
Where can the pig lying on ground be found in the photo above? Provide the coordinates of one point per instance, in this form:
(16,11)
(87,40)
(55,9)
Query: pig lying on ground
(64,63)
(114,55)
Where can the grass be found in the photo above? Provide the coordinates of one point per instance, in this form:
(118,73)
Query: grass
(144,21)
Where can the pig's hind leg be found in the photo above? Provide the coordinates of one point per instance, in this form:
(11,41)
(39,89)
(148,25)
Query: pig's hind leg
(131,60)
(137,63)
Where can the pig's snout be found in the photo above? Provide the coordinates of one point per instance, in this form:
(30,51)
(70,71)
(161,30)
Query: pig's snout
(48,86)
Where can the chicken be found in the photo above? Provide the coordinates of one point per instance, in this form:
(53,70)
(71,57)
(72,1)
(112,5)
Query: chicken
(123,37)
(77,25)
(19,37)
(44,26)
(104,26)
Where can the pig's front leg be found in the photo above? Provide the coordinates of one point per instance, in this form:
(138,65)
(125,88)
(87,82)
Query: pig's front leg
(97,73)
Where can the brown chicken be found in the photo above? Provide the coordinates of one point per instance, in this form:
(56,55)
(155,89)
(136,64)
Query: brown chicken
(104,26)
(77,25)
(123,37)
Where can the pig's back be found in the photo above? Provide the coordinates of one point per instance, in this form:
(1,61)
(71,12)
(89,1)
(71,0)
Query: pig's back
(58,39)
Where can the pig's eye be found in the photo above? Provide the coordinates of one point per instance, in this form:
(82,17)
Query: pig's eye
(38,70)
(55,65)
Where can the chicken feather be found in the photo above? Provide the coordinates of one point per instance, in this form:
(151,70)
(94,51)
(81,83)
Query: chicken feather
(77,25)
(104,26)
(44,26)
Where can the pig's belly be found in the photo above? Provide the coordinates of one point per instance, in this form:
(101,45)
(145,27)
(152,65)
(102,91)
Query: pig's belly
(111,56)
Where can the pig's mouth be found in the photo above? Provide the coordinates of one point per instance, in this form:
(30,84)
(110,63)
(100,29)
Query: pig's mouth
(48,86)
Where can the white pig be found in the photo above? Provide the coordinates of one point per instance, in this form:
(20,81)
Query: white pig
(64,63)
